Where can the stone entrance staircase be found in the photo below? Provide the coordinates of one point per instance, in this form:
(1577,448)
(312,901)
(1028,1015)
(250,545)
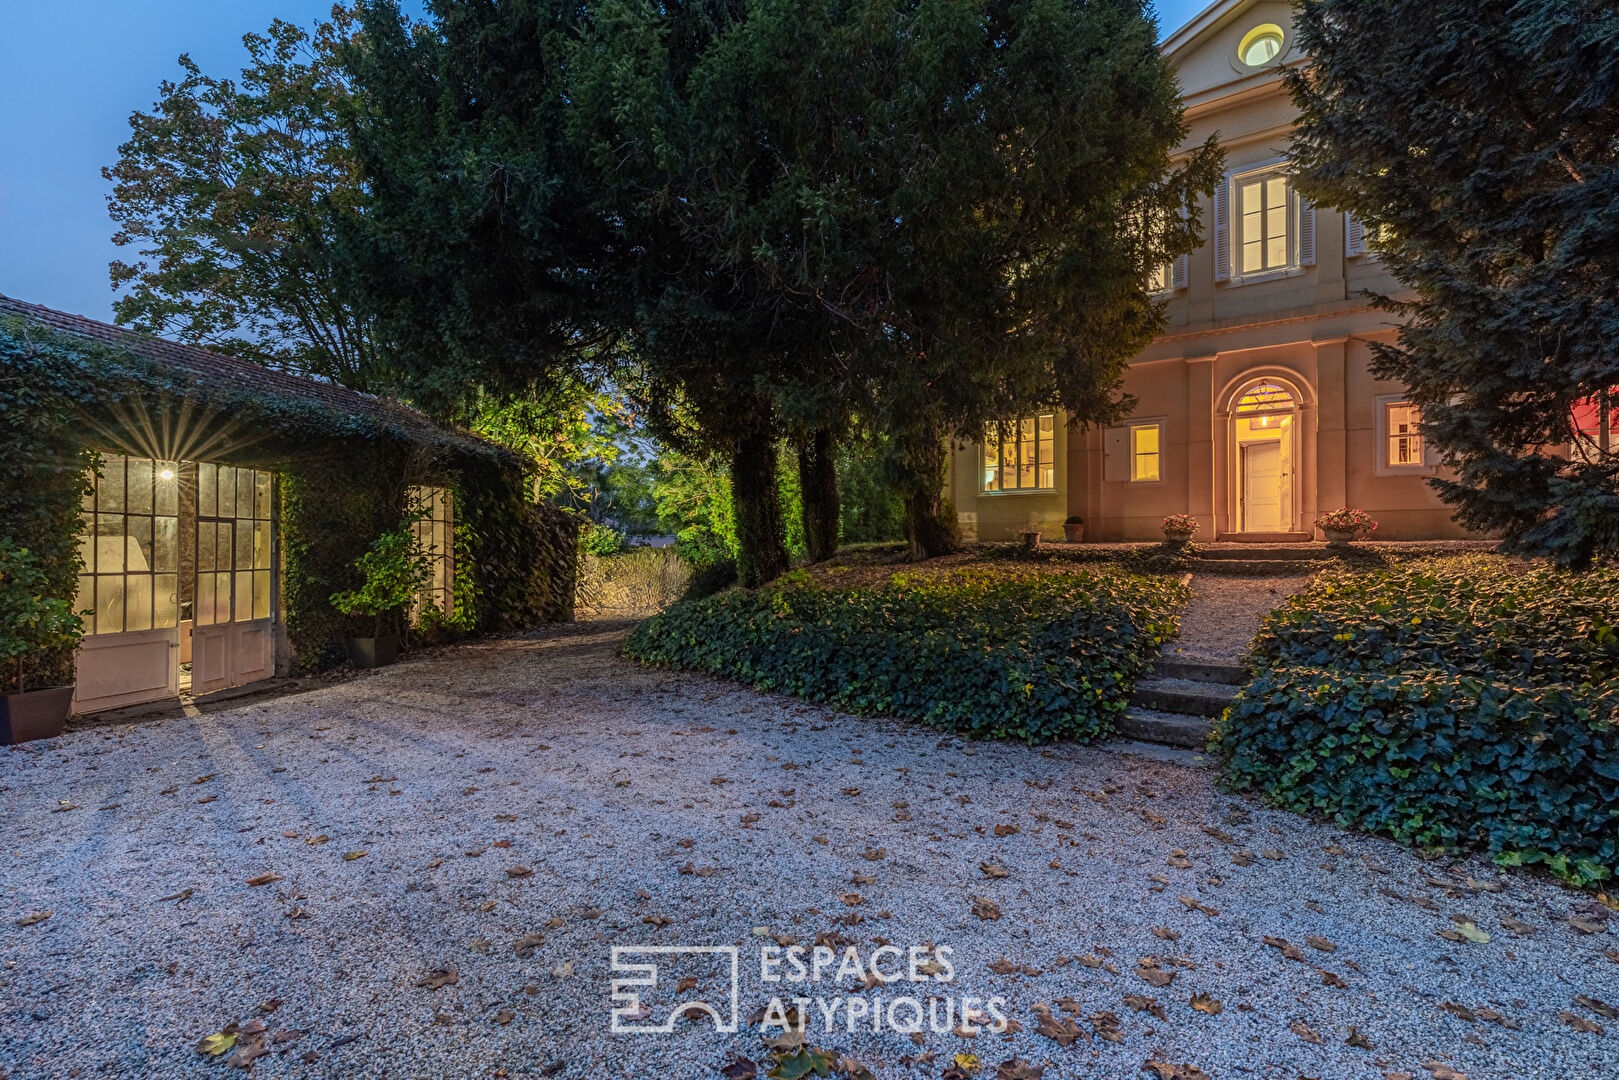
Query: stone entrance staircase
(1180,703)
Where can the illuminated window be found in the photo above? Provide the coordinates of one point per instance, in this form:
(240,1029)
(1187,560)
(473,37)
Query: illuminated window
(1264,208)
(435,538)
(233,544)
(130,545)
(1021,455)
(1261,45)
(1159,280)
(1145,452)
(1402,434)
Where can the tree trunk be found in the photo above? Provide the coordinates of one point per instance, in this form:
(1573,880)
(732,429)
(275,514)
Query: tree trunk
(930,531)
(818,488)
(760,538)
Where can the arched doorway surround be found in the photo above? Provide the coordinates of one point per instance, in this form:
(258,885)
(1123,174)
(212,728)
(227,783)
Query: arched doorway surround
(1266,420)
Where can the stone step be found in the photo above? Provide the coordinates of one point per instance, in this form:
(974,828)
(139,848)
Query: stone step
(1208,671)
(1290,553)
(1265,538)
(1188,696)
(1252,567)
(1170,729)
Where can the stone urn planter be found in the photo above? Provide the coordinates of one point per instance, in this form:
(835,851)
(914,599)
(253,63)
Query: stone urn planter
(36,714)
(1339,538)
(373,652)
(1031,539)
(1177,539)
(1342,527)
(1073,531)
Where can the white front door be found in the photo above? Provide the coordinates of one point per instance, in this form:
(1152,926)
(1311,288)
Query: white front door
(230,654)
(232,639)
(1262,487)
(113,670)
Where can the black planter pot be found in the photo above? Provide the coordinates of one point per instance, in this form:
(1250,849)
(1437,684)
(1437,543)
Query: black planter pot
(37,714)
(373,652)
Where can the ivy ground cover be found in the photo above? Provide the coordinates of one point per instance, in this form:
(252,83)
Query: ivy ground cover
(1447,702)
(987,652)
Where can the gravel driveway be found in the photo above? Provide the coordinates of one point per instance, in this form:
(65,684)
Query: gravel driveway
(489,821)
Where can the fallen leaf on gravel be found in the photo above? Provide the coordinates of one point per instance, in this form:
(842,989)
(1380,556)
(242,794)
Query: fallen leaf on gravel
(1219,834)
(1005,830)
(297,912)
(1198,905)
(657,920)
(1460,1011)
(519,871)
(1149,970)
(1089,961)
(35,917)
(1493,1017)
(200,802)
(504,1017)
(350,856)
(217,1043)
(994,870)
(1165,933)
(1142,1003)
(1515,926)
(986,908)
(439,978)
(524,946)
(1587,926)
(1288,949)
(740,1068)
(1334,981)
(1321,943)
(1579,1023)
(1441,1071)
(1205,1004)
(265,878)
(1483,886)
(1243,858)
(1466,931)
(1061,1030)
(1304,1031)
(1167,1071)
(1357,1040)
(563,970)
(1107,1026)
(1272,854)
(1018,1069)
(1601,1008)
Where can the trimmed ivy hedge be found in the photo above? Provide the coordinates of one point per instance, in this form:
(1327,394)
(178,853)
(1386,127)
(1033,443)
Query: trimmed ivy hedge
(1034,656)
(1449,703)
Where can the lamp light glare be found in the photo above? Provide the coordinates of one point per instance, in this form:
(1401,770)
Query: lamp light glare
(166,473)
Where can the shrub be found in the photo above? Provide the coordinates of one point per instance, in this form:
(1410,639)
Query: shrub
(1348,520)
(1449,703)
(1180,523)
(601,540)
(1035,656)
(31,619)
(395,572)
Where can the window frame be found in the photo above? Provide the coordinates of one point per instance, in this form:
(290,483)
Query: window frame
(438,503)
(1382,405)
(1262,176)
(991,432)
(1130,429)
(99,504)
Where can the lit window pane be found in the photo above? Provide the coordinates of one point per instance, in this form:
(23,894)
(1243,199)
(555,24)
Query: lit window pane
(140,545)
(244,544)
(203,608)
(261,495)
(139,471)
(1144,452)
(261,545)
(87,542)
(138,602)
(168,491)
(165,545)
(1253,257)
(207,490)
(261,594)
(165,601)
(111,543)
(222,545)
(227,492)
(110,604)
(244,596)
(85,600)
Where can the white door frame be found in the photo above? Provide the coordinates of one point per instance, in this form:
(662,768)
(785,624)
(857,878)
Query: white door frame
(1283,515)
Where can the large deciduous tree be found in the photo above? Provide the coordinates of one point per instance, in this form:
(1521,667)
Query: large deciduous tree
(230,192)
(1479,142)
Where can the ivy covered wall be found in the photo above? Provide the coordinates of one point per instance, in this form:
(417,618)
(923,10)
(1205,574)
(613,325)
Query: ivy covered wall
(343,477)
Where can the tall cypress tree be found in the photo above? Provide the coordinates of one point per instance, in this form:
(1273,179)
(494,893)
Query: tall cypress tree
(1479,141)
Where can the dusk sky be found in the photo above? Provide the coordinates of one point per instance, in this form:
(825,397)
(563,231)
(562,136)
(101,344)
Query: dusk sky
(71,72)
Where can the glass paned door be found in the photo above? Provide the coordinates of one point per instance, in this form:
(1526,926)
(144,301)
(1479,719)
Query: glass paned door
(233,544)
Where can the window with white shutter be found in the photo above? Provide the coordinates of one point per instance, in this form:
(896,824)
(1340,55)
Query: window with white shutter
(1354,236)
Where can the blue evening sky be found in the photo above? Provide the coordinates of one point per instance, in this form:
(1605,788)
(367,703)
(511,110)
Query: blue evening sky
(71,72)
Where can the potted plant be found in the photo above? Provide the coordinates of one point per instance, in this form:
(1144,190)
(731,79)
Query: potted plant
(1074,528)
(395,572)
(1179,528)
(31,622)
(1344,525)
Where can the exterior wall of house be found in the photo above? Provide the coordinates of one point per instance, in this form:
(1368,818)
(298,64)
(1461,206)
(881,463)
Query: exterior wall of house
(1307,329)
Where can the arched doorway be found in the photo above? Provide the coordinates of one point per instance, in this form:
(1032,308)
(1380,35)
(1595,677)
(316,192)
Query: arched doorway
(1264,433)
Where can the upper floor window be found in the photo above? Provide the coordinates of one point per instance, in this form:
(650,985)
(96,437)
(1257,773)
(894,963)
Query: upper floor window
(1261,45)
(1021,455)
(1261,226)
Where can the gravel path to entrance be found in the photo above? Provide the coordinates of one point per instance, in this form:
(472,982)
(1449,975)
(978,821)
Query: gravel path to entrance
(1225,613)
(450,848)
